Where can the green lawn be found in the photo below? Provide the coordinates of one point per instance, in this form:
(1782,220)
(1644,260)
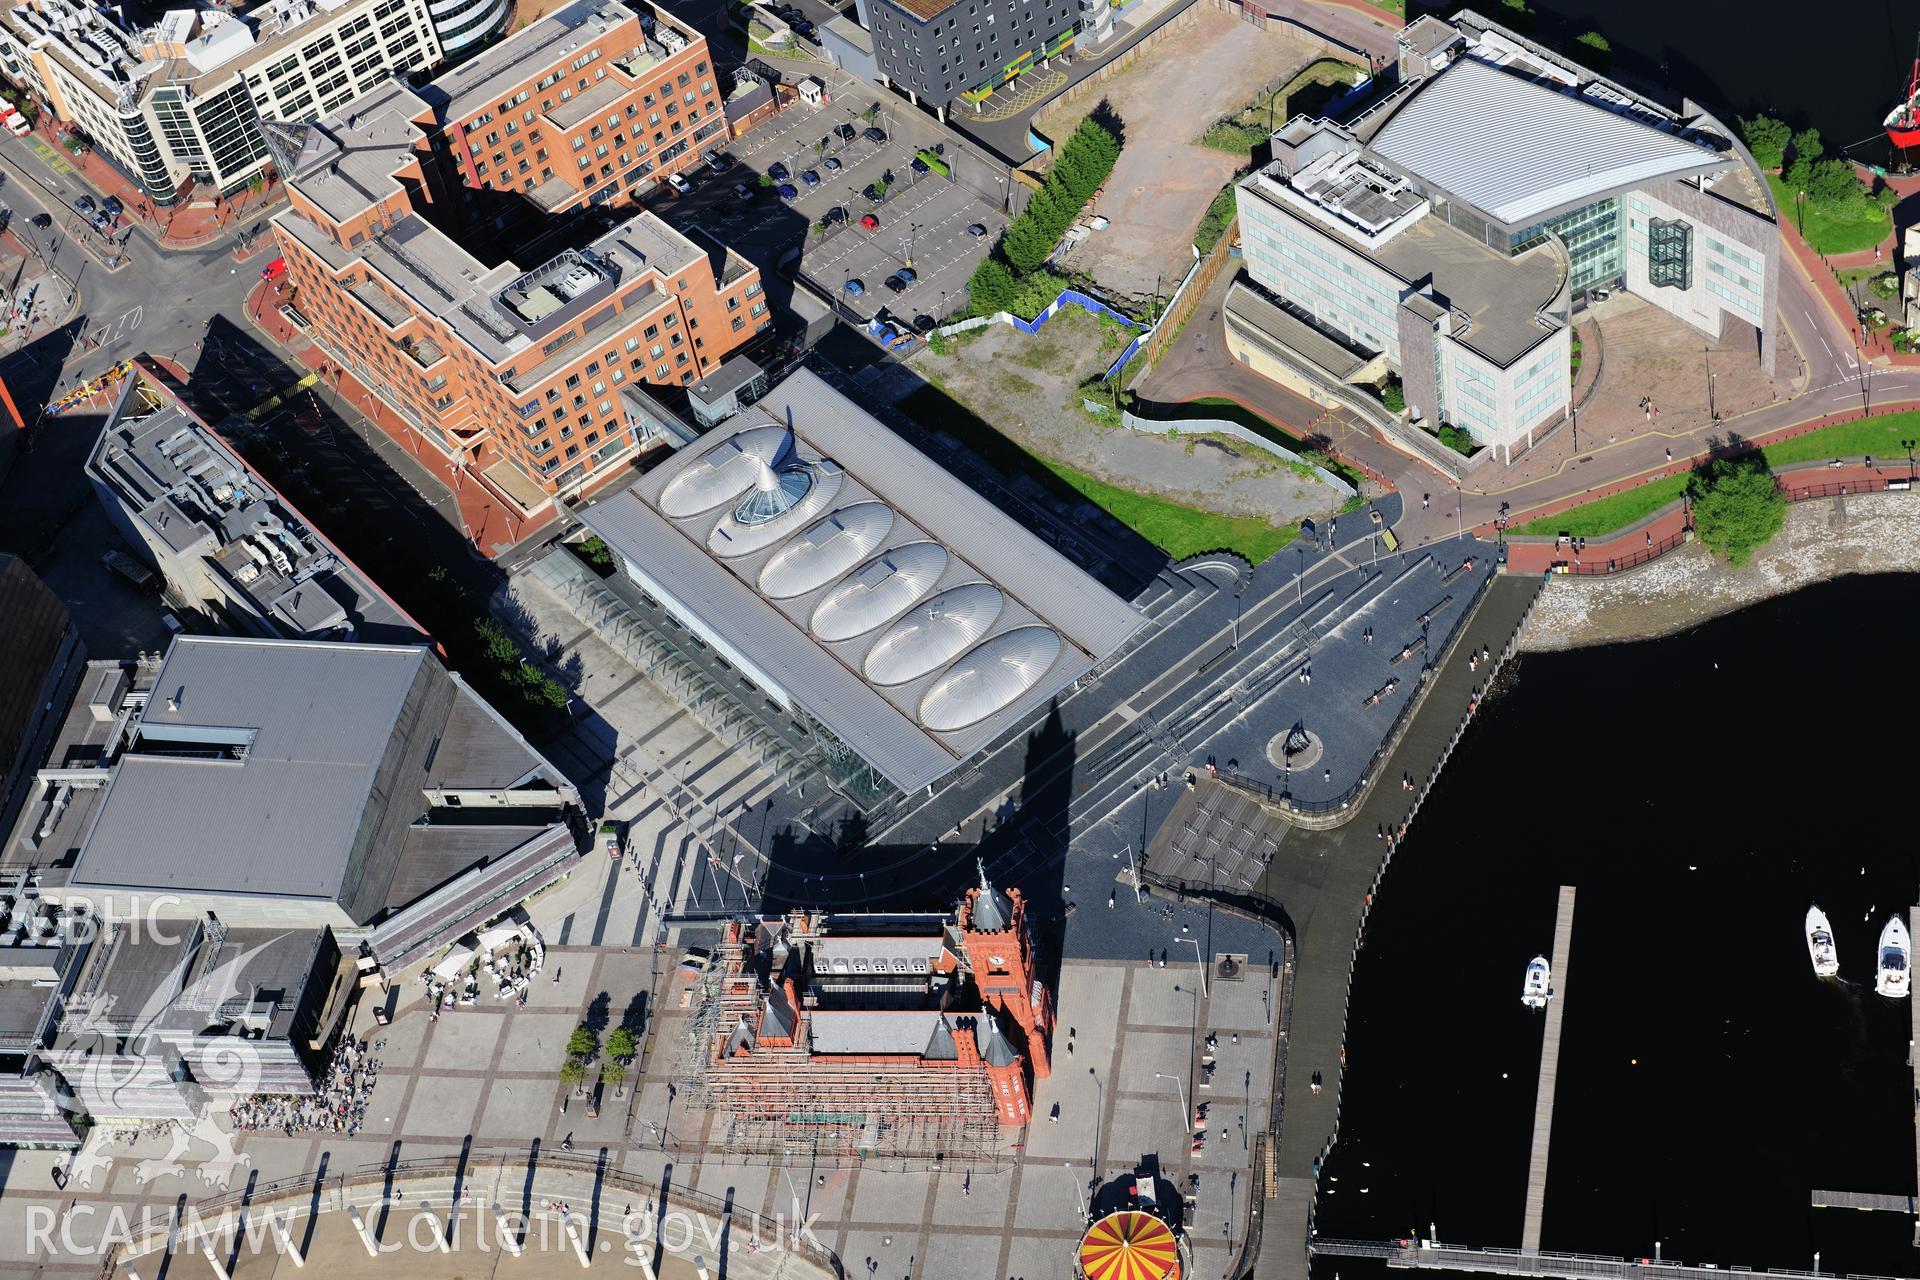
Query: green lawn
(1830,231)
(1180,531)
(1878,437)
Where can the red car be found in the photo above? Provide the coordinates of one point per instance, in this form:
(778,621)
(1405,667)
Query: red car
(870,222)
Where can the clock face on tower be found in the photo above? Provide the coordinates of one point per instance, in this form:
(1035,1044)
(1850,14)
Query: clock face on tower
(996,960)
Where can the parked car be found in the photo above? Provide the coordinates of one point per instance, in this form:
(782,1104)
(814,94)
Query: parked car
(874,135)
(846,131)
(832,165)
(42,220)
(612,838)
(977,229)
(925,324)
(804,30)
(836,214)
(870,222)
(679,184)
(855,288)
(719,161)
(872,191)
(909,275)
(920,166)
(895,283)
(777,171)
(743,192)
(127,567)
(112,207)
(785,191)
(85,204)
(809,177)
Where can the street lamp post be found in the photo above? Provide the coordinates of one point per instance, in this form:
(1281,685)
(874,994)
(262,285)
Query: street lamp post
(1181,1086)
(1201,962)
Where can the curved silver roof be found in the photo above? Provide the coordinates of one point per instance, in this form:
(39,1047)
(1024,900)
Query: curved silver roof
(723,472)
(934,633)
(774,493)
(730,537)
(825,549)
(989,679)
(878,591)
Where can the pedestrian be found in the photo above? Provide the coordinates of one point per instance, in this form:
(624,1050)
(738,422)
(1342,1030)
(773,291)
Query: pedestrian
(1669,455)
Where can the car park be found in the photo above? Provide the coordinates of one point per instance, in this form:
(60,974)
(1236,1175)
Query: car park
(873,135)
(679,184)
(809,177)
(870,222)
(855,288)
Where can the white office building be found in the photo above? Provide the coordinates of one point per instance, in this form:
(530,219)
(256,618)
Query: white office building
(1448,232)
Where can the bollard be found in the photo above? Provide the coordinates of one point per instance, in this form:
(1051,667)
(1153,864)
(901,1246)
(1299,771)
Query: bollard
(366,1235)
(287,1245)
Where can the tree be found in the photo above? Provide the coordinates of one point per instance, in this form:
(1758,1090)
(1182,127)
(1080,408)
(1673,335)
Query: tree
(573,1073)
(582,1044)
(1798,174)
(1807,146)
(621,1044)
(1833,183)
(615,1074)
(1737,507)
(991,287)
(1596,42)
(1767,138)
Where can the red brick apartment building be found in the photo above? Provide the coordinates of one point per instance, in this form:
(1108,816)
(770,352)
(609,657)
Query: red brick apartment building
(408,210)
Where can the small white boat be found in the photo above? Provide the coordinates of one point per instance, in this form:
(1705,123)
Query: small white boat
(1896,960)
(1539,985)
(1826,960)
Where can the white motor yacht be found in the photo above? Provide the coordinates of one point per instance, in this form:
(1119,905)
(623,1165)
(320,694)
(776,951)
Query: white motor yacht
(1896,960)
(1826,960)
(1539,985)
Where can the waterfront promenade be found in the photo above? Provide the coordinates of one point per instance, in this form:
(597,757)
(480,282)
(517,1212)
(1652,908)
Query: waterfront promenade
(1325,880)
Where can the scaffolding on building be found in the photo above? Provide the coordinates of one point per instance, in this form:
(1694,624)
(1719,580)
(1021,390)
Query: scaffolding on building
(788,1106)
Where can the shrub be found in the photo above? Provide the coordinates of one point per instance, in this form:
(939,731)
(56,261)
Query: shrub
(1393,395)
(1596,42)
(1834,184)
(1215,221)
(1457,440)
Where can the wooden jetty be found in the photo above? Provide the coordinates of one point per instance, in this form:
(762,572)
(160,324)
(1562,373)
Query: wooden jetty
(1549,1073)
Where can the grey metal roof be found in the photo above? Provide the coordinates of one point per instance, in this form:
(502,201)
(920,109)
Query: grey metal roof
(896,1031)
(1519,151)
(283,820)
(799,597)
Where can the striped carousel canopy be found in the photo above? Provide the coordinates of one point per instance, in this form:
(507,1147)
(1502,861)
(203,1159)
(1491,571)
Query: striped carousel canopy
(1129,1245)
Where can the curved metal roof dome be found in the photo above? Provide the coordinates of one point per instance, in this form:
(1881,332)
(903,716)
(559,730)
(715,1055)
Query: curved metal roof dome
(732,536)
(933,633)
(825,549)
(724,471)
(989,679)
(878,591)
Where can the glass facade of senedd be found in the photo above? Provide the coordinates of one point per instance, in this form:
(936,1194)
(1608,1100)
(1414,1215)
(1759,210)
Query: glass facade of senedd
(1594,243)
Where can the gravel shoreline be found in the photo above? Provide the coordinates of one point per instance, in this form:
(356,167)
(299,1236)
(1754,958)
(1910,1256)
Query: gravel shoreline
(1823,539)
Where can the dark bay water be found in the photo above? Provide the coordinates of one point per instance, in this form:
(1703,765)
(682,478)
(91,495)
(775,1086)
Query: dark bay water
(1700,791)
(1838,66)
